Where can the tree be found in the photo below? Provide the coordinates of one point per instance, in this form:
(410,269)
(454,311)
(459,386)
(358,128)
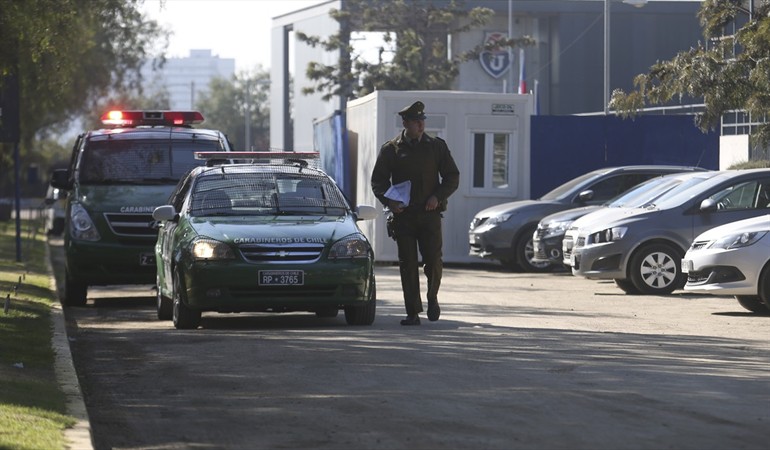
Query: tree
(729,72)
(68,55)
(227,101)
(419,29)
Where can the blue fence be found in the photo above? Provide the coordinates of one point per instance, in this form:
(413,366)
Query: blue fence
(563,147)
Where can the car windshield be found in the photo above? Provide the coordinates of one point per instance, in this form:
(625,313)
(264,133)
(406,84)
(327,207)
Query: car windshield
(567,188)
(141,161)
(655,188)
(688,190)
(246,194)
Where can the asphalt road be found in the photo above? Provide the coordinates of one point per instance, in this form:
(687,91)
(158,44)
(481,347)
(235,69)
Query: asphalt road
(541,361)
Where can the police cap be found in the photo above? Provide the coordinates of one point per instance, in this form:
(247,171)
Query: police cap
(415,111)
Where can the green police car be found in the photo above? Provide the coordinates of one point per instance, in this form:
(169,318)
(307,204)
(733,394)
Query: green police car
(117,175)
(269,235)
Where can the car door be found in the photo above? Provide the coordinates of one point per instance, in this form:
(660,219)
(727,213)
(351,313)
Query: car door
(166,233)
(737,201)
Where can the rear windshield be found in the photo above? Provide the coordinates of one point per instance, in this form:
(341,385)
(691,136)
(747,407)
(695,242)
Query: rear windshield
(137,161)
(242,194)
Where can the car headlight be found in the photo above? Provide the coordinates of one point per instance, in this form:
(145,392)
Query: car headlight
(607,235)
(210,249)
(554,229)
(738,240)
(497,220)
(82,227)
(350,247)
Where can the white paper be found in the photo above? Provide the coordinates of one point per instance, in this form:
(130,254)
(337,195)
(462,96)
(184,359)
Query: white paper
(400,192)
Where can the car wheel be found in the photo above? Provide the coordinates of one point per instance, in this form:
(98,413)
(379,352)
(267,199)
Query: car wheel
(164,304)
(764,285)
(525,251)
(655,269)
(627,286)
(327,312)
(183,316)
(75,291)
(753,303)
(363,315)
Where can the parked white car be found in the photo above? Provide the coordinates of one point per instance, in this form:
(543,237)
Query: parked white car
(732,259)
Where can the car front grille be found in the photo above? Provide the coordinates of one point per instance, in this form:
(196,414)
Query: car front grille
(128,224)
(286,253)
(698,245)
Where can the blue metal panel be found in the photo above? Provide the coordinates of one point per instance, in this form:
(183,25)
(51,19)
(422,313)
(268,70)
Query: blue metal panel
(563,147)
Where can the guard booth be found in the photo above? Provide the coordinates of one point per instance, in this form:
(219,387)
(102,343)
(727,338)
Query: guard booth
(488,135)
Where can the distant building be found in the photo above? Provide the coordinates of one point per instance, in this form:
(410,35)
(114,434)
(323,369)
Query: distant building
(564,70)
(185,79)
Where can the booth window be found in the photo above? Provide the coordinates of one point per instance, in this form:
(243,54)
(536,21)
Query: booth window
(491,161)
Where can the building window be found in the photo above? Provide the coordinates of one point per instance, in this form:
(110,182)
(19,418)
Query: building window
(491,161)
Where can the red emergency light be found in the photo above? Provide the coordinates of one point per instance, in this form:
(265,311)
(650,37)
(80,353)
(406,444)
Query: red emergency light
(150,118)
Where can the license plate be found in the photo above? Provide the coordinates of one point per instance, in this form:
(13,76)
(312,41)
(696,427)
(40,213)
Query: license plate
(281,277)
(147,259)
(687,266)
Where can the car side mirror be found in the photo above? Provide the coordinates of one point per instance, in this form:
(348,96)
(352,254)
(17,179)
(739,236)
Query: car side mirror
(60,179)
(366,212)
(586,195)
(165,212)
(708,205)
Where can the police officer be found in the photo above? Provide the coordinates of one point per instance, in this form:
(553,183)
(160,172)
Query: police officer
(426,162)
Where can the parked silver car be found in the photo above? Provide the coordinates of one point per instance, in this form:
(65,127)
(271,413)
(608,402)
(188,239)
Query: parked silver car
(642,248)
(504,232)
(547,241)
(732,259)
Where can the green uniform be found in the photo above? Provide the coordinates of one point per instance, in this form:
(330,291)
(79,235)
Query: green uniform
(429,166)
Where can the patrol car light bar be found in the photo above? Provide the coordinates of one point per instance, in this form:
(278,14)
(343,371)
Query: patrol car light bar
(137,118)
(256,155)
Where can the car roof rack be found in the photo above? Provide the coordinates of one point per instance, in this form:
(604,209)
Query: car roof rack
(282,157)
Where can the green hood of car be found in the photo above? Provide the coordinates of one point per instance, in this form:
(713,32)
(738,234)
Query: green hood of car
(124,198)
(274,229)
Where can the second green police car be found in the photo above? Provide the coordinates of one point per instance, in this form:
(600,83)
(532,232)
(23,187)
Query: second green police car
(262,236)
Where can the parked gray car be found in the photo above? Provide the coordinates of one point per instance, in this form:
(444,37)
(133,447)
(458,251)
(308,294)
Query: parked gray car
(642,248)
(504,232)
(548,238)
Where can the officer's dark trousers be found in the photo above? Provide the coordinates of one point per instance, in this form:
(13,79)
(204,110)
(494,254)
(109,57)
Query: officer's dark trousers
(418,230)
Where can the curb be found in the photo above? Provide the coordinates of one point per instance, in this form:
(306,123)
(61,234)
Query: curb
(78,436)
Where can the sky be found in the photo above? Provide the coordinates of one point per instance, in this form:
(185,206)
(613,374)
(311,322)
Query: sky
(238,29)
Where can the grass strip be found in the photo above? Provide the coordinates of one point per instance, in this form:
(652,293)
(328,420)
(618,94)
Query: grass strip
(33,412)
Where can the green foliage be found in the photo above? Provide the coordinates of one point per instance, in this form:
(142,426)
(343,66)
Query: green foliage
(758,164)
(419,29)
(69,55)
(729,72)
(225,104)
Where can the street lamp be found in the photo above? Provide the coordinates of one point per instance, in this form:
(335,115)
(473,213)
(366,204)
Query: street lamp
(638,4)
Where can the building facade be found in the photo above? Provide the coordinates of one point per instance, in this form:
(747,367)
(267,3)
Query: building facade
(564,70)
(185,79)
